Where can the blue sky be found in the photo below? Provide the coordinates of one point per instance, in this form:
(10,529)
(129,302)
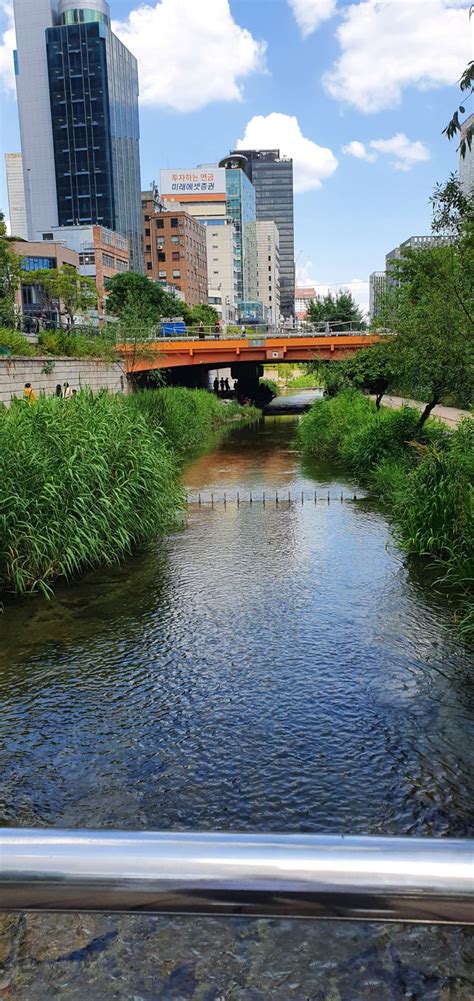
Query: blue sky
(357,93)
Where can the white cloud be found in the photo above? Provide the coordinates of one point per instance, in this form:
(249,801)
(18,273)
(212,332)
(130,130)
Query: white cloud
(387,46)
(311,163)
(187,59)
(405,152)
(359,151)
(309,14)
(7,45)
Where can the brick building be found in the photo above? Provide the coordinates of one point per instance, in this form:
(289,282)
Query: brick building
(175,251)
(102,254)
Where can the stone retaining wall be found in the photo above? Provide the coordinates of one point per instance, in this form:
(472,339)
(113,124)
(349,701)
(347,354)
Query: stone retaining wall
(46,372)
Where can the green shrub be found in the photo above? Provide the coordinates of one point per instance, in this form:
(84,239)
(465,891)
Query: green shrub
(324,429)
(426,475)
(77,344)
(387,436)
(17,342)
(272,386)
(82,481)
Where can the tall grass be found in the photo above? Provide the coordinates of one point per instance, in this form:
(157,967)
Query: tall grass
(86,480)
(188,417)
(425,475)
(82,482)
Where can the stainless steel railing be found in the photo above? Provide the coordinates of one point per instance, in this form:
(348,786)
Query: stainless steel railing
(300,876)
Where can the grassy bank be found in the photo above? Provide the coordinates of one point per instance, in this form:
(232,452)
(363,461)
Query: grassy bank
(58,343)
(426,477)
(85,481)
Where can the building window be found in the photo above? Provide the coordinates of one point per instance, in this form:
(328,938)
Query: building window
(149,265)
(162,274)
(161,257)
(176,274)
(147,232)
(175,239)
(175,255)
(48,236)
(148,248)
(160,223)
(174,223)
(147,218)
(37,263)
(108,261)
(86,259)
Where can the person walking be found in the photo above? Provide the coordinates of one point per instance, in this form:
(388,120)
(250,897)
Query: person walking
(222,386)
(201,332)
(217,330)
(216,385)
(227,386)
(243,330)
(28,393)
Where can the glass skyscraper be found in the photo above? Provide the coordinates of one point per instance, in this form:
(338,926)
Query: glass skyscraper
(272,178)
(241,208)
(82,165)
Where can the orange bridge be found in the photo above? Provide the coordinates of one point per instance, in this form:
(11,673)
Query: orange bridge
(171,353)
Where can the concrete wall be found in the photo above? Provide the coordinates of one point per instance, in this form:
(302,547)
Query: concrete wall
(78,372)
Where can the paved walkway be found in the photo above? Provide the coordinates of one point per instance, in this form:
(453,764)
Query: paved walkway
(449,415)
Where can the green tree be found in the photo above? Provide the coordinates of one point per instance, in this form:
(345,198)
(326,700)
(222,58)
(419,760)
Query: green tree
(372,369)
(340,309)
(147,300)
(203,314)
(9,277)
(452,211)
(432,311)
(76,293)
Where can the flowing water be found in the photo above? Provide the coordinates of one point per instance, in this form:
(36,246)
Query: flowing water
(272,667)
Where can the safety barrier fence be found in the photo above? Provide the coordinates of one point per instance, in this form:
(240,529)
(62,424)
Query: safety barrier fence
(293,875)
(267,498)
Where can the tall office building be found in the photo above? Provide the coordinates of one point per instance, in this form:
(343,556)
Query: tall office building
(272,178)
(16,195)
(377,288)
(412,243)
(466,163)
(242,209)
(77,89)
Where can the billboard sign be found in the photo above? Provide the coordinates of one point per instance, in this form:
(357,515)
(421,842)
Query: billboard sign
(202,181)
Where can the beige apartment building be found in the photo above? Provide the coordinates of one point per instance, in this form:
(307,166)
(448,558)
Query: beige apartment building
(268,268)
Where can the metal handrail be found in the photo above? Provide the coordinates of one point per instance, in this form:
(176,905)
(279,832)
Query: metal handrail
(293,875)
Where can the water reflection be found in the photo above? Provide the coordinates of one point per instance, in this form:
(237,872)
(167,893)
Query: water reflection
(268,668)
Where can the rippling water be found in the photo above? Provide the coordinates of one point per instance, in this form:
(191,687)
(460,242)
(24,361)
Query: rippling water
(266,668)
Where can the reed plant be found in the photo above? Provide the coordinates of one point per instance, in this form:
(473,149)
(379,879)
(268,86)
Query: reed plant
(82,482)
(188,417)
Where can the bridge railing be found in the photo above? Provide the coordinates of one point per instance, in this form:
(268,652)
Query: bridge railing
(255,334)
(295,875)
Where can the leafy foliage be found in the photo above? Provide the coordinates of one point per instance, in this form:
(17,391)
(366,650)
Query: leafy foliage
(425,474)
(339,308)
(451,209)
(85,480)
(9,277)
(64,287)
(145,300)
(454,126)
(372,369)
(432,311)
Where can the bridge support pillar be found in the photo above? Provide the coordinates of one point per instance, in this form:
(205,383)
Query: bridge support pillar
(248,375)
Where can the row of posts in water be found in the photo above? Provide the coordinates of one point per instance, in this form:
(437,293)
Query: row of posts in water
(278,498)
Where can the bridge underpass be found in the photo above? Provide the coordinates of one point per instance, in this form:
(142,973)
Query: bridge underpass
(187,361)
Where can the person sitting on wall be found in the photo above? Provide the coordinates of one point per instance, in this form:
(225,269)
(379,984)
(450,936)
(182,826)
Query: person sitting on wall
(28,393)
(67,391)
